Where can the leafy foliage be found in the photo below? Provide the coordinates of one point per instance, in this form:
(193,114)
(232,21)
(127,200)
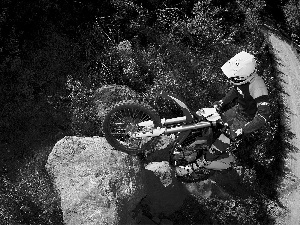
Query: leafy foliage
(291,12)
(83,112)
(236,211)
(31,198)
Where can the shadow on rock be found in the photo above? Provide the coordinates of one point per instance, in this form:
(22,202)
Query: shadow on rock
(164,194)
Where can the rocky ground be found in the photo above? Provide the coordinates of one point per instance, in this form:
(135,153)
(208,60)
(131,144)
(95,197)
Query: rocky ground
(289,65)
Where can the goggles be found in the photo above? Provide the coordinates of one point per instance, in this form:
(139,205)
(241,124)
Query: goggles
(237,79)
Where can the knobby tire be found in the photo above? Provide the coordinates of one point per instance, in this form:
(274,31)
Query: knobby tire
(132,110)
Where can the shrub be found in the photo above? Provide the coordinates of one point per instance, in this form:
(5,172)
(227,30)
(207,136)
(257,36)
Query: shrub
(108,95)
(30,198)
(89,107)
(84,119)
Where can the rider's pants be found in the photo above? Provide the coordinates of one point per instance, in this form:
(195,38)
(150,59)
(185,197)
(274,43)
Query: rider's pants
(235,120)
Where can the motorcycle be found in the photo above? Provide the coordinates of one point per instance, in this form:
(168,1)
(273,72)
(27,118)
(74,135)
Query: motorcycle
(134,128)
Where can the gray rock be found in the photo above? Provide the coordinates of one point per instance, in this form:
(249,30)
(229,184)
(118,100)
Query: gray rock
(162,170)
(206,189)
(165,194)
(97,185)
(221,185)
(145,220)
(166,222)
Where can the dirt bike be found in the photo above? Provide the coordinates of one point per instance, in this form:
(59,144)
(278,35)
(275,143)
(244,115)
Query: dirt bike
(134,127)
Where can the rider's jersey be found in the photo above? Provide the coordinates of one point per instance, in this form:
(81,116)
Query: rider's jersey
(253,101)
(251,94)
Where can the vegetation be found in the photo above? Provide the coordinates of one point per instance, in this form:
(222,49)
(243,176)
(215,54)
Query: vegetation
(56,54)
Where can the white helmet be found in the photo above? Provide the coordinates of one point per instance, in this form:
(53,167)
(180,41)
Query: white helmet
(240,68)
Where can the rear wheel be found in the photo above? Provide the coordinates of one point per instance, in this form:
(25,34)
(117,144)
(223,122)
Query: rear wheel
(123,120)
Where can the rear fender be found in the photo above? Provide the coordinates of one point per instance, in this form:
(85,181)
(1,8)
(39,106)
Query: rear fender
(186,111)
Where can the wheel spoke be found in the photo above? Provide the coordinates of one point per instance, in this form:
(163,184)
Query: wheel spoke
(135,114)
(128,111)
(118,116)
(145,117)
(119,134)
(124,122)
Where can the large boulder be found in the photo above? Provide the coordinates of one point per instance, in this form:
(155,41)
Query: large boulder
(97,184)
(206,189)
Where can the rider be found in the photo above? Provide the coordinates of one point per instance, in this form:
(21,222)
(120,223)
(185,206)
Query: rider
(250,114)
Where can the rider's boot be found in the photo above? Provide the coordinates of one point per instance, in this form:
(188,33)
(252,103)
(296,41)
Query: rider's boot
(192,167)
(216,158)
(218,149)
(190,152)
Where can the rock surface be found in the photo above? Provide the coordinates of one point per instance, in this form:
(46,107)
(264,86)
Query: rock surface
(97,184)
(165,194)
(163,171)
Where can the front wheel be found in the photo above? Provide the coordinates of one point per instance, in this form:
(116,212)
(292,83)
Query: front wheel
(123,120)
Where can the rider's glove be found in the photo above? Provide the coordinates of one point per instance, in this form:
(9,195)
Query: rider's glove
(232,133)
(199,114)
(218,105)
(235,133)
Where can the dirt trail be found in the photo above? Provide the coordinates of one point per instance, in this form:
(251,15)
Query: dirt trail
(289,65)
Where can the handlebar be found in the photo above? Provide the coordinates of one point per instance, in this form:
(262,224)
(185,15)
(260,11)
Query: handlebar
(200,116)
